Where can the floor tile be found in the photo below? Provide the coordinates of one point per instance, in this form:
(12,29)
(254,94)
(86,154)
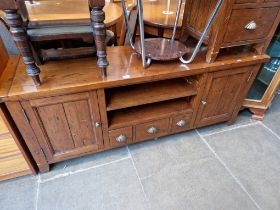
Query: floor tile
(272,116)
(113,186)
(252,154)
(201,184)
(19,193)
(85,162)
(152,156)
(244,117)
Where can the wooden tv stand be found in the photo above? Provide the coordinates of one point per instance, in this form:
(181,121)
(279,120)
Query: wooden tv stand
(77,112)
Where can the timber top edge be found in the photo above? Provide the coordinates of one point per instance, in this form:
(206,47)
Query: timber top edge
(77,75)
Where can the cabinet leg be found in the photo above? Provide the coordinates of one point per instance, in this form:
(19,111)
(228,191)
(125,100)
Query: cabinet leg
(211,56)
(259,48)
(44,168)
(258,114)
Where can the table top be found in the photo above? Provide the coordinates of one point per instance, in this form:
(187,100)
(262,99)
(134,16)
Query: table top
(125,68)
(63,12)
(161,13)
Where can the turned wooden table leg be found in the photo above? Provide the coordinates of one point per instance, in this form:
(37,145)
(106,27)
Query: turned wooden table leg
(15,23)
(99,33)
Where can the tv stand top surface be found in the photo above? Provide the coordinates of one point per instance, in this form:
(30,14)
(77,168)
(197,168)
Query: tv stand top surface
(68,76)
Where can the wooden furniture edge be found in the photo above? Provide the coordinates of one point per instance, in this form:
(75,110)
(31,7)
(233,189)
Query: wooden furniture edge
(4,113)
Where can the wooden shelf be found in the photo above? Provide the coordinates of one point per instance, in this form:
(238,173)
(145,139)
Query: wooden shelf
(129,116)
(134,95)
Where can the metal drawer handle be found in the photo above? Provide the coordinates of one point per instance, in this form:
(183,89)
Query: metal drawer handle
(121,138)
(181,123)
(97,124)
(152,130)
(251,26)
(203,102)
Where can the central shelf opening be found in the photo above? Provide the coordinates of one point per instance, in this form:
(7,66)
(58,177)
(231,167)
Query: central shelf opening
(130,116)
(147,93)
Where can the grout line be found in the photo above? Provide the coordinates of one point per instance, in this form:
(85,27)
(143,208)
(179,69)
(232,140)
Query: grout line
(137,174)
(231,128)
(228,170)
(82,170)
(37,191)
(275,134)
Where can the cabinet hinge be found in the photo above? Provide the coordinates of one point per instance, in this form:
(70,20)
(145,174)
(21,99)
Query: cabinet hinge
(250,76)
(25,116)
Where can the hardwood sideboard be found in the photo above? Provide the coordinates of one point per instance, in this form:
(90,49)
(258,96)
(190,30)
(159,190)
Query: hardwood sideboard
(76,111)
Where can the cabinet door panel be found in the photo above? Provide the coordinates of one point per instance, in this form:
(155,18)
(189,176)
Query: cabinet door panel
(56,127)
(221,95)
(78,117)
(65,125)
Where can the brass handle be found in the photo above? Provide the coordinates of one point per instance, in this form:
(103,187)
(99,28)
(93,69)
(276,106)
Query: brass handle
(152,130)
(97,124)
(121,138)
(181,123)
(203,102)
(251,26)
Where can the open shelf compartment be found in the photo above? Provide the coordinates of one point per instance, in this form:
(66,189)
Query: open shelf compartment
(140,94)
(130,116)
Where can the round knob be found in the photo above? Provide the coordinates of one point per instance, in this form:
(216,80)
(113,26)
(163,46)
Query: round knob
(204,102)
(121,138)
(152,130)
(251,26)
(97,124)
(181,123)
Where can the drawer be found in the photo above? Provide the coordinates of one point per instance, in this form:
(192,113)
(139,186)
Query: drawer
(250,24)
(180,123)
(121,136)
(151,130)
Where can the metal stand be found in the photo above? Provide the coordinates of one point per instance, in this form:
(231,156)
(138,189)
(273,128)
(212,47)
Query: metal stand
(161,48)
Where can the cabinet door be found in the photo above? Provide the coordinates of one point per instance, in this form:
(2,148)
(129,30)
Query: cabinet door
(221,95)
(66,126)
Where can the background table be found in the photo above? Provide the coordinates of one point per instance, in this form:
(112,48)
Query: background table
(159,17)
(68,12)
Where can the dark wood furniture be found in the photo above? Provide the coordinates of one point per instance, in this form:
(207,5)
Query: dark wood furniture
(86,113)
(239,22)
(18,30)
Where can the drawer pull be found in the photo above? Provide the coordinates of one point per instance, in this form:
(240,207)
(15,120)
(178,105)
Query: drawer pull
(97,124)
(121,138)
(152,130)
(204,103)
(181,123)
(251,26)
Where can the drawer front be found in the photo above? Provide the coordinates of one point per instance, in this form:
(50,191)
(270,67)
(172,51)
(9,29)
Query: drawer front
(180,123)
(250,24)
(120,137)
(151,130)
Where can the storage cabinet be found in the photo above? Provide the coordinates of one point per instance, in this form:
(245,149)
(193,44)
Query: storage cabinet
(66,119)
(65,126)
(221,95)
(238,22)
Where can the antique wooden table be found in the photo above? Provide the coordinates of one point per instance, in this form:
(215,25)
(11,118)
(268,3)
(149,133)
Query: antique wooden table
(68,12)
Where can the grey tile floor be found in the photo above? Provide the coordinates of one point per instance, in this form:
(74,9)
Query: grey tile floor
(218,167)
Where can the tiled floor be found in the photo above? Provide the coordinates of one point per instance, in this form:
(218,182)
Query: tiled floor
(218,167)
